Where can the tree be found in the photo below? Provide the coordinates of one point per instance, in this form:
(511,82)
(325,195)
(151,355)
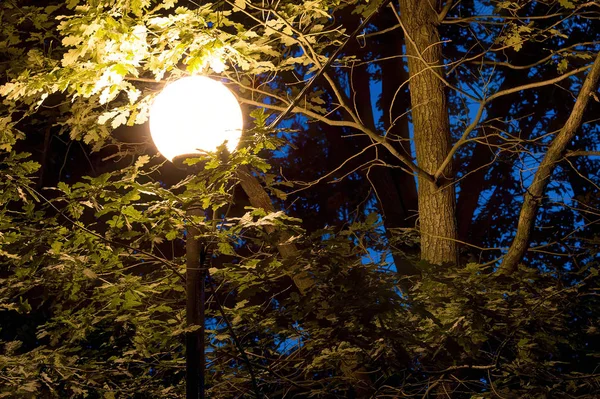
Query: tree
(432,131)
(357,234)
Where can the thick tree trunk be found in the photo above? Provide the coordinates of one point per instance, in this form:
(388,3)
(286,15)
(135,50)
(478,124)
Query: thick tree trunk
(536,190)
(437,217)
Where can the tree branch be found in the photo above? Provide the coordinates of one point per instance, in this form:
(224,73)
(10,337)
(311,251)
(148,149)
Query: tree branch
(583,154)
(542,176)
(327,64)
(444,12)
(494,96)
(373,135)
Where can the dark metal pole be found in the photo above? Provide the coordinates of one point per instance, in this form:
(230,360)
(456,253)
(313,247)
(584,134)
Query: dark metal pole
(195,363)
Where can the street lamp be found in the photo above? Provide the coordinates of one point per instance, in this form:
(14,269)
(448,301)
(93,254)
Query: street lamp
(191,116)
(195,114)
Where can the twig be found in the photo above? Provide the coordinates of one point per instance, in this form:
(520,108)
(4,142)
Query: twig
(330,60)
(444,12)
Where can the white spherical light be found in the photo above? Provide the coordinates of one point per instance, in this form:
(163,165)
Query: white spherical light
(193,115)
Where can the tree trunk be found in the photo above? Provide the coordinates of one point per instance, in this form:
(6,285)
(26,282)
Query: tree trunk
(431,130)
(533,195)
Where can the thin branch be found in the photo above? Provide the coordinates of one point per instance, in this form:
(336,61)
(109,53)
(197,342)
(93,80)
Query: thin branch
(494,96)
(325,176)
(444,12)
(538,84)
(165,262)
(234,336)
(582,154)
(533,64)
(463,367)
(330,60)
(373,135)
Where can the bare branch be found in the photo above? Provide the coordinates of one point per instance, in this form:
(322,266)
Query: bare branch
(373,135)
(444,12)
(583,154)
(542,176)
(494,96)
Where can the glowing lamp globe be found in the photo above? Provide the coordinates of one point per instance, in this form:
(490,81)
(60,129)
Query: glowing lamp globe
(193,115)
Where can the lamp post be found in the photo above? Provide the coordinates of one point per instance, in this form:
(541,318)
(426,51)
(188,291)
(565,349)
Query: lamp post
(190,116)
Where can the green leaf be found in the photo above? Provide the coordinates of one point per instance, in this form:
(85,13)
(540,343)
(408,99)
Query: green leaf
(131,300)
(226,249)
(133,213)
(372,218)
(566,4)
(171,235)
(56,247)
(141,161)
(563,65)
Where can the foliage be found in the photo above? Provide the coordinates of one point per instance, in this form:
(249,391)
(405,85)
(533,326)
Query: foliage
(93,223)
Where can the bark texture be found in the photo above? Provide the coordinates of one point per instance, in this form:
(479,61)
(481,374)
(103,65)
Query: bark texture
(437,218)
(536,190)
(260,199)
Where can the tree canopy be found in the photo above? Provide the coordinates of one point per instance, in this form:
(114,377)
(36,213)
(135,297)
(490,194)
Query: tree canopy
(412,212)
